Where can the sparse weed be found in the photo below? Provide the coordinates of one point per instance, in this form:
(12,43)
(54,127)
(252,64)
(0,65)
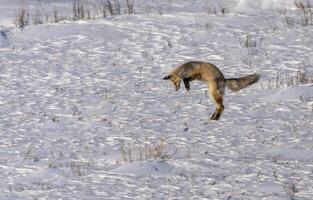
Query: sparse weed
(169,43)
(147,8)
(158,7)
(34,186)
(205,26)
(250,44)
(81,10)
(79,168)
(147,151)
(248,55)
(22,17)
(69,167)
(55,118)
(273,26)
(117,6)
(37,17)
(108,95)
(282,11)
(130,6)
(139,82)
(215,9)
(306,12)
(57,17)
(30,154)
(290,189)
(289,22)
(250,40)
(299,78)
(100,9)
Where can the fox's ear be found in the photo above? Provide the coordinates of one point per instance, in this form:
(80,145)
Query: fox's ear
(167,77)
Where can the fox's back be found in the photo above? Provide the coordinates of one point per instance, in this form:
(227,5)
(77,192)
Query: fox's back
(205,70)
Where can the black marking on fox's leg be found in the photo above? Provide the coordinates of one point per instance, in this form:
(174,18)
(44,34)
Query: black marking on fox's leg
(214,116)
(187,84)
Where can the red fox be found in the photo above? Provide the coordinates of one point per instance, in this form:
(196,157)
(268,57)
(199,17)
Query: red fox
(207,72)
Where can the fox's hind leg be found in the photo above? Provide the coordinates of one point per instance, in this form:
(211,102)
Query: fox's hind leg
(216,91)
(218,100)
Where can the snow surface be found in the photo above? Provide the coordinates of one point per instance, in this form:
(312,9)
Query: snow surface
(83,103)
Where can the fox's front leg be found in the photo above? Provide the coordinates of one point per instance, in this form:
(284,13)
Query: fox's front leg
(186,83)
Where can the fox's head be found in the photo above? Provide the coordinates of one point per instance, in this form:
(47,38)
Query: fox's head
(175,80)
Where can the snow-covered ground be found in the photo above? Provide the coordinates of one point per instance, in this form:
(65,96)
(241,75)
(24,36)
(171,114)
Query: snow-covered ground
(85,113)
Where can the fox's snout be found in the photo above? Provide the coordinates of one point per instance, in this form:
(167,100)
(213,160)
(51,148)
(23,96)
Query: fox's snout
(177,87)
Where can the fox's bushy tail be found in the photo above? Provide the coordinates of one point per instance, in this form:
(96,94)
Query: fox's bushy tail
(236,84)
